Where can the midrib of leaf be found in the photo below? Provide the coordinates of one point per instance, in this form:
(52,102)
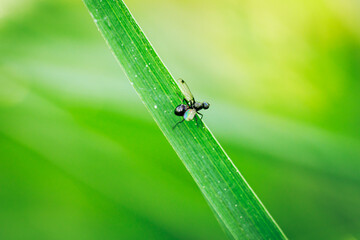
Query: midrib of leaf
(230,197)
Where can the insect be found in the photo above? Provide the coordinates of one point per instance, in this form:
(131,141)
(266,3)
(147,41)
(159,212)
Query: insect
(188,110)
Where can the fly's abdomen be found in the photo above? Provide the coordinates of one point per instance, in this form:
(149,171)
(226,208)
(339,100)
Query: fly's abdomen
(189,114)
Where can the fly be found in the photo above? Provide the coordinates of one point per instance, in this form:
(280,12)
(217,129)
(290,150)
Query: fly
(189,110)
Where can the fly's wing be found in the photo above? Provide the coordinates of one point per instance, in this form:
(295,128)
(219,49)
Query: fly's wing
(189,114)
(185,90)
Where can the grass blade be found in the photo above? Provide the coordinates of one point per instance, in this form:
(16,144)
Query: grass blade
(234,203)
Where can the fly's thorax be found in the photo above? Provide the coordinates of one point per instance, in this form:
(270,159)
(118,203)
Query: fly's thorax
(189,114)
(198,106)
(201,105)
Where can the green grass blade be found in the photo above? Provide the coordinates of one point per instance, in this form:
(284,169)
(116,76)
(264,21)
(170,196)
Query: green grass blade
(227,192)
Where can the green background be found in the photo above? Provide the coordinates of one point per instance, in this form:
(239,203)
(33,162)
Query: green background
(81,158)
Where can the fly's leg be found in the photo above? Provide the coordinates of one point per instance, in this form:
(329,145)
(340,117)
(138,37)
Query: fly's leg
(201,116)
(189,103)
(196,119)
(178,123)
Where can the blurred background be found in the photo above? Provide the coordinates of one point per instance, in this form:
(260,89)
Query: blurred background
(81,158)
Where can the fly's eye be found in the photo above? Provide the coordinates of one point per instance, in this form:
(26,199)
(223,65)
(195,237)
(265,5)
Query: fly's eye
(197,105)
(205,105)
